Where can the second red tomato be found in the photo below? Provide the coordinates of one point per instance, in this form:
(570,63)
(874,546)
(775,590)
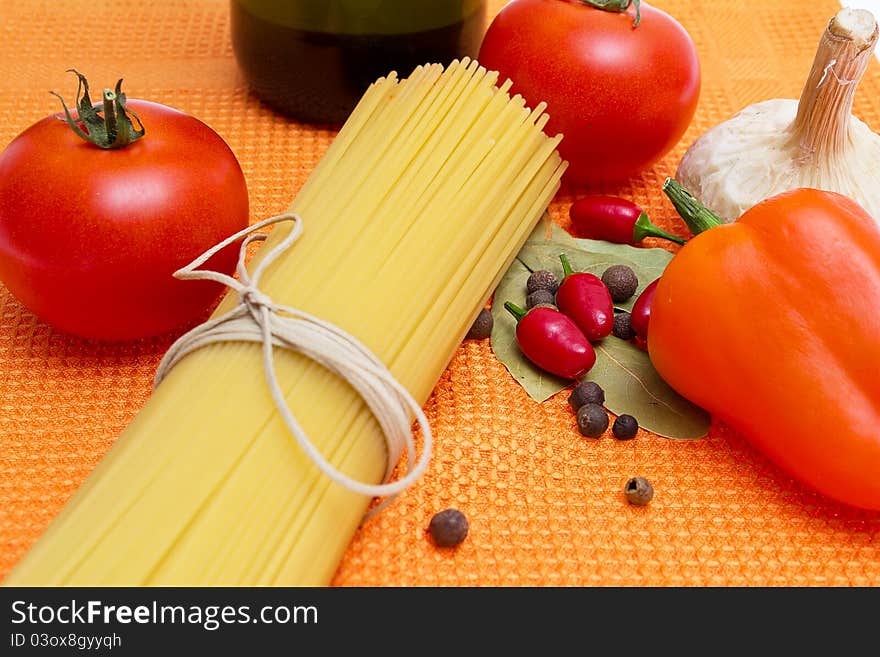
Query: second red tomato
(622,96)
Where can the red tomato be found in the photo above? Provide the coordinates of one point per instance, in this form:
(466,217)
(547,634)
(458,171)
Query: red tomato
(622,96)
(89,238)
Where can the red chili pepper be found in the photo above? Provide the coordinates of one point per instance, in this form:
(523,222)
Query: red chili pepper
(641,311)
(585,299)
(552,341)
(614,220)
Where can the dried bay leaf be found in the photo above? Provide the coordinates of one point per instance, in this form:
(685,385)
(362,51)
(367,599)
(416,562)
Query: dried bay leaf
(648,258)
(633,386)
(624,371)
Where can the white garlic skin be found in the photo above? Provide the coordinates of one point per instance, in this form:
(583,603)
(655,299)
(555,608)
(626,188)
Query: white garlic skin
(755,155)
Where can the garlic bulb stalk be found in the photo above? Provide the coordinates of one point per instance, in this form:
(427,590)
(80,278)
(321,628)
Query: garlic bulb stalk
(782,144)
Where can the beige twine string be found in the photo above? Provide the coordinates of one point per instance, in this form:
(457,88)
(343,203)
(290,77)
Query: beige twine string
(256,318)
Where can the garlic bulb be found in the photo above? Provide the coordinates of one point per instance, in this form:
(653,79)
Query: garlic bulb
(783,144)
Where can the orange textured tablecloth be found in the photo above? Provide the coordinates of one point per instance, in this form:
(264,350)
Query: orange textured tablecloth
(545,505)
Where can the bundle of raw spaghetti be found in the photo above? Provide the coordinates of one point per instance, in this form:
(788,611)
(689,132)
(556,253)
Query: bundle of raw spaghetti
(410,219)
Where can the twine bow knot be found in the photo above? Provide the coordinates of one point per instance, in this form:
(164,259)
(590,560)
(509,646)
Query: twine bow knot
(257,318)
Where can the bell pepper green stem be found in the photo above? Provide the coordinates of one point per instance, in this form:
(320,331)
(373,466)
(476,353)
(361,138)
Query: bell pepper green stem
(644,228)
(517,312)
(696,215)
(619,6)
(566,265)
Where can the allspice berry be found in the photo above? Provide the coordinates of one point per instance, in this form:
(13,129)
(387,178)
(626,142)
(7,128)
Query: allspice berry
(538,297)
(542,279)
(448,528)
(638,491)
(482,327)
(623,326)
(621,282)
(592,420)
(625,427)
(586,392)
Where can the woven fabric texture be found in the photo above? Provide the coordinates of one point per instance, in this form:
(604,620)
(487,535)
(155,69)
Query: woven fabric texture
(545,506)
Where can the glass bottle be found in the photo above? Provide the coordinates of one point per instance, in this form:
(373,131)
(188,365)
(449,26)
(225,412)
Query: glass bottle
(313,59)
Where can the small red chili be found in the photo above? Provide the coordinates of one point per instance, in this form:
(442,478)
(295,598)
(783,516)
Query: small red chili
(552,341)
(615,220)
(586,299)
(641,311)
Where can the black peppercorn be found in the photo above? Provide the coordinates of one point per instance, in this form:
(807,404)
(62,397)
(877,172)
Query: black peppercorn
(542,279)
(540,296)
(592,420)
(623,326)
(621,282)
(625,427)
(482,327)
(638,491)
(448,528)
(586,392)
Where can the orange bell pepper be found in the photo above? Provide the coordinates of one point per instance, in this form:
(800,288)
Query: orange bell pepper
(772,324)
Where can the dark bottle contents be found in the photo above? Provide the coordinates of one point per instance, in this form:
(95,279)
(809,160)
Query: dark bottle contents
(319,75)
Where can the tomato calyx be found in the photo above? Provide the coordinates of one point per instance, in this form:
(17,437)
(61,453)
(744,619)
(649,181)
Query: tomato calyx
(114,129)
(619,6)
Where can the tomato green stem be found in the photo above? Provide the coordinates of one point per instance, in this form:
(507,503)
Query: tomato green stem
(619,6)
(696,215)
(109,113)
(644,228)
(114,129)
(517,312)
(566,265)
